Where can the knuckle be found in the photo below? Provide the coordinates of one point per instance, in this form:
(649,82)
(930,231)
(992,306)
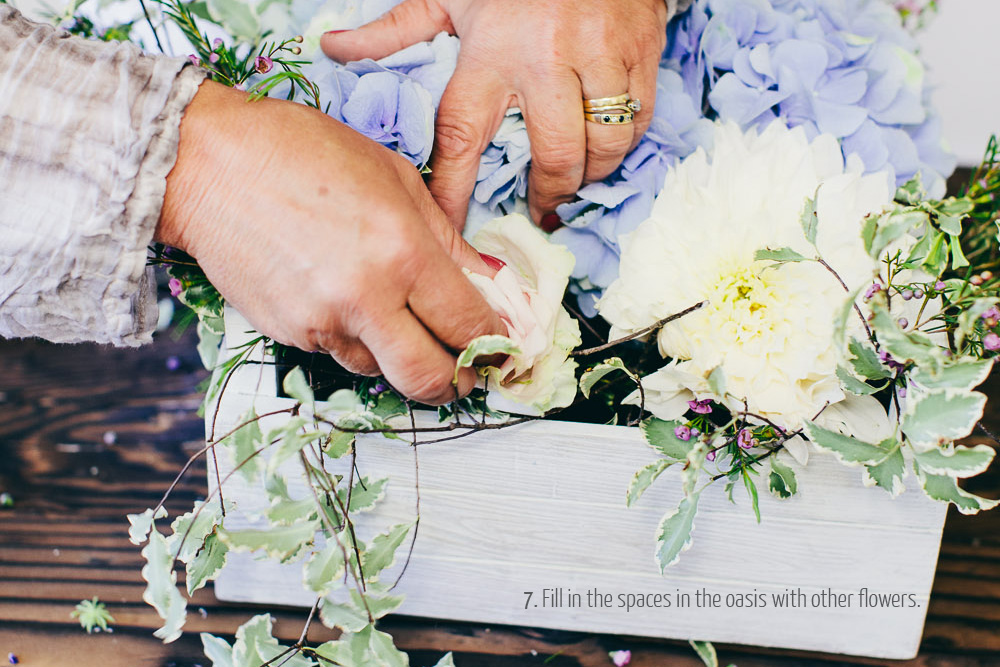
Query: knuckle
(453,136)
(428,385)
(557,161)
(609,149)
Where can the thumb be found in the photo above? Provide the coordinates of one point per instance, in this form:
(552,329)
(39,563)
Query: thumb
(405,24)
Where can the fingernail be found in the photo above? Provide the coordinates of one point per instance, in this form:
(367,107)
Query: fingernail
(493,262)
(334,32)
(550,222)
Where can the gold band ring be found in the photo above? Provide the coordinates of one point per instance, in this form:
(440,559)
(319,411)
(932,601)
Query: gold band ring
(617,110)
(610,118)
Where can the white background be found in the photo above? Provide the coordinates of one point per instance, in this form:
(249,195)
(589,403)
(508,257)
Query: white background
(961,49)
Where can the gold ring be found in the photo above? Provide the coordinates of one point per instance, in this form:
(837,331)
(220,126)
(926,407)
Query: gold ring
(617,110)
(610,118)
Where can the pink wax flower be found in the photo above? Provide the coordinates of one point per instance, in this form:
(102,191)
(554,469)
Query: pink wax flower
(701,407)
(620,658)
(683,432)
(263,64)
(176,287)
(991,342)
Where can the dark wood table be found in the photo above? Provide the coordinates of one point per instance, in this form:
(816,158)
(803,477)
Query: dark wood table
(89,433)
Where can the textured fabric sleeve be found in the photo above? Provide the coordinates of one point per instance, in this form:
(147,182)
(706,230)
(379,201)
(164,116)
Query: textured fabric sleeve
(88,134)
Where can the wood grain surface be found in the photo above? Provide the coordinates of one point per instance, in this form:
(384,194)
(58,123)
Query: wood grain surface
(88,434)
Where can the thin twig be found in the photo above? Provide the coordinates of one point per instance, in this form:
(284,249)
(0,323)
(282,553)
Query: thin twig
(847,289)
(416,484)
(638,334)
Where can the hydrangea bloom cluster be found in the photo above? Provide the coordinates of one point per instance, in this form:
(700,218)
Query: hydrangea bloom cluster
(841,67)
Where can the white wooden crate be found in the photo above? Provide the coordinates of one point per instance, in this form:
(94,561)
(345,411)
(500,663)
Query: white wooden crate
(540,507)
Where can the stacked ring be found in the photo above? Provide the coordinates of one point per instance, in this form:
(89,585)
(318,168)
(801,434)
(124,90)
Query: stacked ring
(616,110)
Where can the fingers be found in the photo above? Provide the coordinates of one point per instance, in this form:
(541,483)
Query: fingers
(471,110)
(414,362)
(405,24)
(642,78)
(607,145)
(553,113)
(354,357)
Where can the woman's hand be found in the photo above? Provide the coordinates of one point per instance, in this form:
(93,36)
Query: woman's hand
(324,240)
(542,56)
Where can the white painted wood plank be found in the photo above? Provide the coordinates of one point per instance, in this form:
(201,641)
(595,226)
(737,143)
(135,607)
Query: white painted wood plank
(541,506)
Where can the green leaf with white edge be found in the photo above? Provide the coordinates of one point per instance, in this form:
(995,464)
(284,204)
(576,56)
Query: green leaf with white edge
(484,346)
(706,652)
(809,219)
(958,259)
(193,527)
(660,436)
(643,478)
(893,226)
(950,224)
(343,400)
(365,494)
(781,482)
(325,567)
(243,445)
(161,587)
(141,524)
(865,361)
(286,511)
(290,446)
(296,386)
(207,563)
(381,551)
(447,661)
(352,615)
(904,346)
(209,343)
(674,533)
(779,255)
(717,381)
(389,405)
(964,375)
(868,228)
(693,466)
(351,650)
(256,646)
(889,473)
(847,449)
(385,652)
(339,444)
(937,255)
(946,489)
(941,416)
(959,461)
(589,379)
(856,386)
(217,650)
(278,542)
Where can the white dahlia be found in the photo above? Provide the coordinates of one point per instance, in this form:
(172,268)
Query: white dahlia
(767,326)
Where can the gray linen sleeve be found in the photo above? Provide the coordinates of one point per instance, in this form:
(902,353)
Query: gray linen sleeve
(88,134)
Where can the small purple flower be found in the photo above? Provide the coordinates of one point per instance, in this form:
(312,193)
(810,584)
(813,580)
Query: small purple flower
(903,322)
(940,286)
(109,438)
(701,407)
(887,359)
(745,438)
(992,314)
(214,58)
(620,658)
(872,291)
(194,59)
(695,433)
(991,342)
(263,64)
(173,363)
(907,294)
(217,42)
(902,392)
(176,287)
(377,389)
(711,455)
(683,432)
(12,659)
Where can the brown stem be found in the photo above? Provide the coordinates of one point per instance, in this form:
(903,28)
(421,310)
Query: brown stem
(638,334)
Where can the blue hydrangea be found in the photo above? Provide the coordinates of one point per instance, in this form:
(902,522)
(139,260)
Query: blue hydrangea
(843,67)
